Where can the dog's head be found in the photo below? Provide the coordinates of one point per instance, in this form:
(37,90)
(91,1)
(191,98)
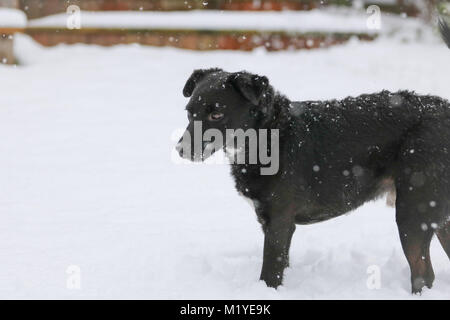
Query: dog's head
(219,101)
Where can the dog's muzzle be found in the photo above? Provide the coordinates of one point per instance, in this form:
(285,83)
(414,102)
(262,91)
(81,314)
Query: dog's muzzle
(185,152)
(180,149)
(207,150)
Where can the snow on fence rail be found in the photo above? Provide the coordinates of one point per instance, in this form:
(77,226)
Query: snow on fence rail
(322,20)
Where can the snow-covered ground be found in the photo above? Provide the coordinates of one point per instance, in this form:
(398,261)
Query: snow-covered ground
(87,178)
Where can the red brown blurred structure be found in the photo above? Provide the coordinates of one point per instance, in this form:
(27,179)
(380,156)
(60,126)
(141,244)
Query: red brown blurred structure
(194,39)
(189,38)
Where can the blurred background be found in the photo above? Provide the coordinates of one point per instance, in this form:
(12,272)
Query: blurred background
(204,24)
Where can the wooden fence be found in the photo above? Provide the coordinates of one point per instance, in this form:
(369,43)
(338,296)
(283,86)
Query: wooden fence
(195,39)
(40,8)
(185,38)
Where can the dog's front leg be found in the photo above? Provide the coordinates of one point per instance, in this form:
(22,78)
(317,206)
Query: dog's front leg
(277,240)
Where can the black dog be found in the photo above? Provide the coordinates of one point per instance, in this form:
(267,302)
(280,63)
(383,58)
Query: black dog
(333,157)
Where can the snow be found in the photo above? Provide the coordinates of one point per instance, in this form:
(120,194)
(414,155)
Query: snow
(12,18)
(88,182)
(333,19)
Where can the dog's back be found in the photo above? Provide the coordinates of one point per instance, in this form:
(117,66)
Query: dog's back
(357,145)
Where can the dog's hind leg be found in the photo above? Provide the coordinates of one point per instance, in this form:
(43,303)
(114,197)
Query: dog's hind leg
(422,183)
(415,235)
(412,216)
(416,246)
(443,234)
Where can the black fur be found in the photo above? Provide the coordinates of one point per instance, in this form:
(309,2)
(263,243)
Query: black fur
(335,156)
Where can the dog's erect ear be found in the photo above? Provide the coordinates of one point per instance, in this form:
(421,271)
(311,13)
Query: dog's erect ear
(251,86)
(193,80)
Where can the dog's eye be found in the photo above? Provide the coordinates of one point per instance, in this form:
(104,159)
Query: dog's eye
(215,116)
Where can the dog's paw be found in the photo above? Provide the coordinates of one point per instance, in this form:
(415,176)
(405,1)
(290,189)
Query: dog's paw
(272,282)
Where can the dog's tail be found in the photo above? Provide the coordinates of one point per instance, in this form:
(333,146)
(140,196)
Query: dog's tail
(445,31)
